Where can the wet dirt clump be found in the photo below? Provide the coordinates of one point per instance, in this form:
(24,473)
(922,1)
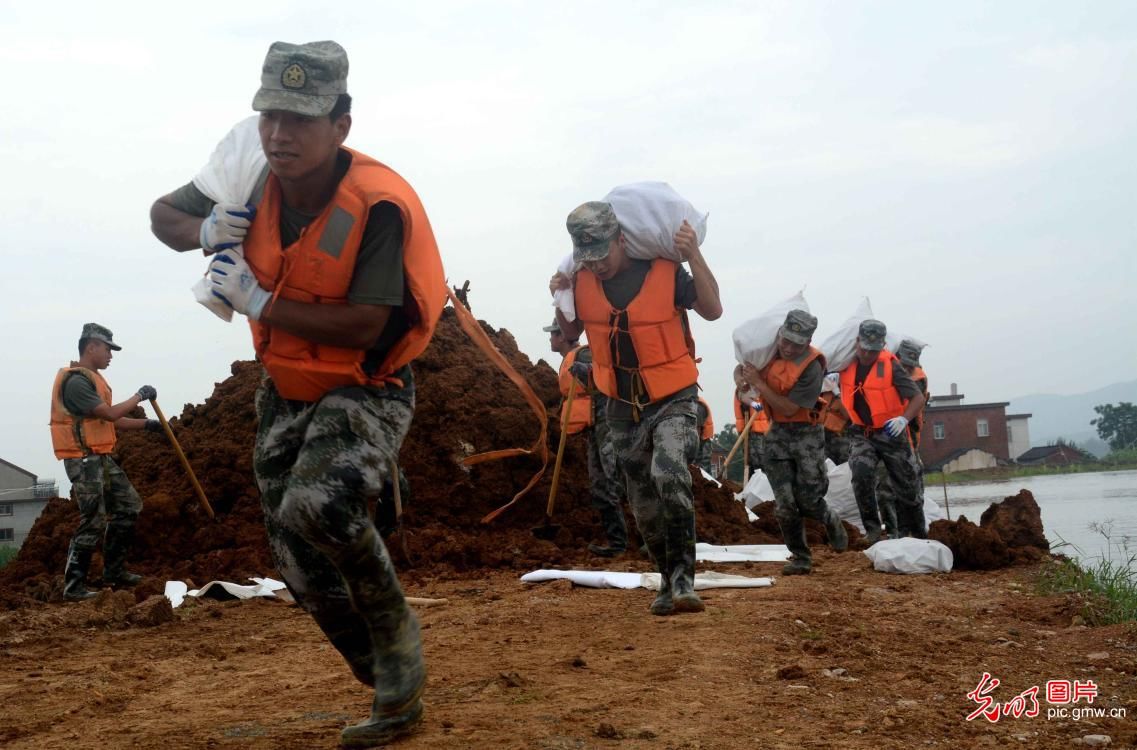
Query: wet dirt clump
(1009,533)
(464,405)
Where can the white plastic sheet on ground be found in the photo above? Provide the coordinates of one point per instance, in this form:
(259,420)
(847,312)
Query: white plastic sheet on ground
(755,341)
(606,579)
(910,556)
(229,177)
(840,346)
(742,553)
(177,591)
(840,496)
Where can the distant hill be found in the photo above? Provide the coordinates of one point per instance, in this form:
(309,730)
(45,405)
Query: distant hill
(1069,416)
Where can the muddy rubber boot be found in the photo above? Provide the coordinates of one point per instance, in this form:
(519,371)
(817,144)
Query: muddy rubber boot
(835,531)
(116,544)
(683,596)
(606,550)
(888,516)
(400,673)
(75,575)
(793,533)
(917,524)
(663,604)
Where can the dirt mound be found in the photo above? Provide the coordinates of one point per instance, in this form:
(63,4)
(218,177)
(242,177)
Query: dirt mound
(1009,533)
(463,405)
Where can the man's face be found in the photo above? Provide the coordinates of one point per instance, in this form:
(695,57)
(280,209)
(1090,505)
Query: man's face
(296,145)
(557,342)
(100,354)
(866,356)
(788,349)
(611,264)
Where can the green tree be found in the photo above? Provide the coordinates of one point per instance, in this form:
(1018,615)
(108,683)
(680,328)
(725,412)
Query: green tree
(1117,425)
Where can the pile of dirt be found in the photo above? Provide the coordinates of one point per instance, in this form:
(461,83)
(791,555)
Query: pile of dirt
(1009,533)
(463,405)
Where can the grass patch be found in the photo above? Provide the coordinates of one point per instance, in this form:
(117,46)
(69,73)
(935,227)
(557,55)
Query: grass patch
(1016,472)
(7,555)
(1106,588)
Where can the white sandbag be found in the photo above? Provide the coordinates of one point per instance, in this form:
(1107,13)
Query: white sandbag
(755,341)
(840,496)
(757,490)
(230,176)
(841,346)
(910,556)
(892,340)
(563,299)
(650,213)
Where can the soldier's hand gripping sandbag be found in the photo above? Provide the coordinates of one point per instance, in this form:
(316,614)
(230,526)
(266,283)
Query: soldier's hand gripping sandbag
(840,347)
(234,283)
(756,340)
(226,226)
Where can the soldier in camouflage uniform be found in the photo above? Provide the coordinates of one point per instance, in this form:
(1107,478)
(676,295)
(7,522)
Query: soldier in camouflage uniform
(83,434)
(745,400)
(336,322)
(607,491)
(881,400)
(909,355)
(795,445)
(651,388)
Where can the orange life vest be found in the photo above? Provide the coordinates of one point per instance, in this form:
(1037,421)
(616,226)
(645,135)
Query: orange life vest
(318,268)
(921,379)
(580,416)
(782,375)
(881,395)
(832,413)
(73,435)
(760,425)
(657,329)
(708,430)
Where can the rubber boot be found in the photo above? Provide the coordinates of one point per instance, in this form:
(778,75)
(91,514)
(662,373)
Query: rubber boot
(835,531)
(615,530)
(888,515)
(917,524)
(400,673)
(793,532)
(683,596)
(75,575)
(663,604)
(115,546)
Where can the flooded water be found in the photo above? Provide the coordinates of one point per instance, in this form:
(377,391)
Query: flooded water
(1070,504)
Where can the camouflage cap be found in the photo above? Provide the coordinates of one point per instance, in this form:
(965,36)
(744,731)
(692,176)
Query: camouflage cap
(302,78)
(871,335)
(99,333)
(592,226)
(799,327)
(554,328)
(909,353)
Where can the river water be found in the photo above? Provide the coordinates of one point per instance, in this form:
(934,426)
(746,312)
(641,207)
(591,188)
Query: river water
(1071,505)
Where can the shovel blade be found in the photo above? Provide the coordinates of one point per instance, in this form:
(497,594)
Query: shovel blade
(547,531)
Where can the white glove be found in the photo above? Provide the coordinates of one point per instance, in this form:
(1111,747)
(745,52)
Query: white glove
(234,283)
(226,226)
(895,427)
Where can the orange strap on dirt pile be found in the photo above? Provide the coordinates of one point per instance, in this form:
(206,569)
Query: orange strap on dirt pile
(541,447)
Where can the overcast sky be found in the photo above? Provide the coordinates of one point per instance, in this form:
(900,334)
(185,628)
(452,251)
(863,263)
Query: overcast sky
(968,166)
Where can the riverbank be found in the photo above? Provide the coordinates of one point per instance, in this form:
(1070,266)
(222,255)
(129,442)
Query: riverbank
(999,473)
(845,657)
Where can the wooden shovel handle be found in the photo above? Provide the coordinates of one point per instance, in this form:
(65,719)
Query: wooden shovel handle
(182,456)
(565,413)
(741,437)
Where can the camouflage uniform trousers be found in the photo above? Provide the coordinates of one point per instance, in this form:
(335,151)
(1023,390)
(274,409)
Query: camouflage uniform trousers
(837,446)
(107,501)
(795,466)
(755,452)
(703,461)
(318,466)
(654,454)
(604,477)
(867,452)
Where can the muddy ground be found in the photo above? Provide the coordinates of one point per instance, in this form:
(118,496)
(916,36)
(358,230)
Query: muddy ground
(552,666)
(844,658)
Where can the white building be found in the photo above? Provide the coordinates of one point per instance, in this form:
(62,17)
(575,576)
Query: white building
(1018,434)
(22,498)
